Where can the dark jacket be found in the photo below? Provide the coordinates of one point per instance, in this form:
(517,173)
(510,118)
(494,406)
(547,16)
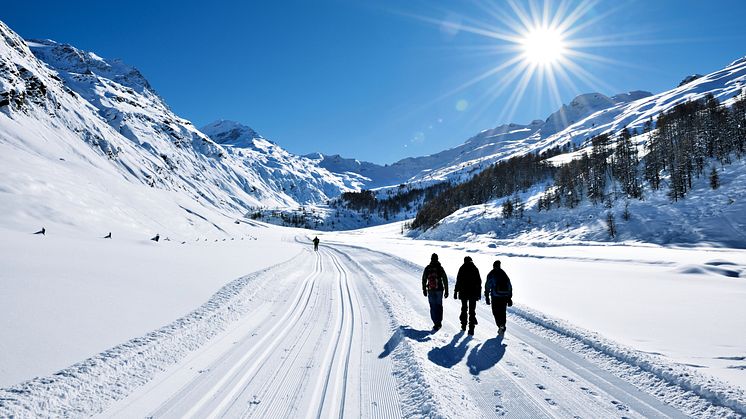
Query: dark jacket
(468,282)
(441,274)
(498,285)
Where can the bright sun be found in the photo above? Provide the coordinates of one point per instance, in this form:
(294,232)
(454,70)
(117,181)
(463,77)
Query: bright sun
(543,46)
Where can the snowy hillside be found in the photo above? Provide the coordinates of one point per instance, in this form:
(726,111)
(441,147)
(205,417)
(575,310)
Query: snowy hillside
(294,175)
(683,160)
(106,150)
(705,217)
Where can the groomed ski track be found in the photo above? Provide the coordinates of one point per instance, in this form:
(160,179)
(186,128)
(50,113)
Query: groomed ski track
(345,332)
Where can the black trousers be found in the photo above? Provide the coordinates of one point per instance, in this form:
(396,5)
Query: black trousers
(498,310)
(470,306)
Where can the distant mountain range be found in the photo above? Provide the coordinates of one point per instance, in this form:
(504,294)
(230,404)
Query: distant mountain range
(69,117)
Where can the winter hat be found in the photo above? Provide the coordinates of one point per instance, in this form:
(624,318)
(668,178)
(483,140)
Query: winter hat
(496,264)
(467,259)
(434,257)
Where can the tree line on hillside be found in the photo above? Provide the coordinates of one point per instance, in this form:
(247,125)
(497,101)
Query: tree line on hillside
(687,140)
(391,202)
(501,179)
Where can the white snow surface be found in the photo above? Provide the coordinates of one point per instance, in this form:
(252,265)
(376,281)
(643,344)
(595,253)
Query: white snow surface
(346,330)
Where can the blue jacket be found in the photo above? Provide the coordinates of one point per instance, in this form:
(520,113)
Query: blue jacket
(498,285)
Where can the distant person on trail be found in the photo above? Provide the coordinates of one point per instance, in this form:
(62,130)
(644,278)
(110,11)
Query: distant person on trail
(498,288)
(469,290)
(43,231)
(158,237)
(108,236)
(316,244)
(435,287)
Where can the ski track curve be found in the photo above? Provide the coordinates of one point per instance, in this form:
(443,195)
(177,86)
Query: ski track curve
(307,350)
(537,375)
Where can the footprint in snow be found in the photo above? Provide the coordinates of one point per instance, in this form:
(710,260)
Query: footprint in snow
(620,406)
(500,410)
(518,374)
(550,401)
(589,391)
(541,387)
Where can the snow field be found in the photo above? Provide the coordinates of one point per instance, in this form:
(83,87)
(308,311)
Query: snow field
(346,332)
(66,298)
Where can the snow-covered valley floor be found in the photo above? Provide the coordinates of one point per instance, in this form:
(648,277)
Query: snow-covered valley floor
(269,328)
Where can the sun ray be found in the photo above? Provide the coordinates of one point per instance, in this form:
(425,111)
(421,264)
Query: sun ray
(543,50)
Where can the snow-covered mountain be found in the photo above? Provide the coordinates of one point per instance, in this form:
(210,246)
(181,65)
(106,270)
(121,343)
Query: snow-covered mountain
(708,214)
(80,134)
(478,152)
(297,176)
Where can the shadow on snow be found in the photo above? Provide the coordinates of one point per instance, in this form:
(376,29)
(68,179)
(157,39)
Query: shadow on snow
(399,334)
(451,354)
(486,355)
(481,357)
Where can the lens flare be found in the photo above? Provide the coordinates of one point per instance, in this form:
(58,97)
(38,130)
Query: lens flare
(543,46)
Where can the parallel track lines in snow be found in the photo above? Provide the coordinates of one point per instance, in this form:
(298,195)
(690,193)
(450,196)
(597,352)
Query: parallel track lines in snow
(274,336)
(287,372)
(344,335)
(185,392)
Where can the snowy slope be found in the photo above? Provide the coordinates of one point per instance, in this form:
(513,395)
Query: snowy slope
(86,141)
(706,216)
(297,176)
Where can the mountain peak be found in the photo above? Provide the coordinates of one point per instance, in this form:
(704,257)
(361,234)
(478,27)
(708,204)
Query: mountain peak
(67,58)
(233,133)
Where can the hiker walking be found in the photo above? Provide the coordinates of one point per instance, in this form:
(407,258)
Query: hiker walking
(498,288)
(158,237)
(435,287)
(316,244)
(43,231)
(469,290)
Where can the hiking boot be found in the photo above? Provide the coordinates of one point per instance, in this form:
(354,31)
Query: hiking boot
(471,331)
(437,326)
(501,330)
(463,327)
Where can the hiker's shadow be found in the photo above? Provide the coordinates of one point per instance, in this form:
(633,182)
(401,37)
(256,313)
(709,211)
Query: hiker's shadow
(451,354)
(486,355)
(401,333)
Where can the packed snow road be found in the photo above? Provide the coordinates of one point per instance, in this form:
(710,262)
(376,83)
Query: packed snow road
(304,350)
(319,343)
(342,332)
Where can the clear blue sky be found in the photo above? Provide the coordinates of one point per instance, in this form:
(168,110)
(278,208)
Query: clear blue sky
(367,79)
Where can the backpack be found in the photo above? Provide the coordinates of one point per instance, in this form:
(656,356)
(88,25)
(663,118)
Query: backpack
(432,279)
